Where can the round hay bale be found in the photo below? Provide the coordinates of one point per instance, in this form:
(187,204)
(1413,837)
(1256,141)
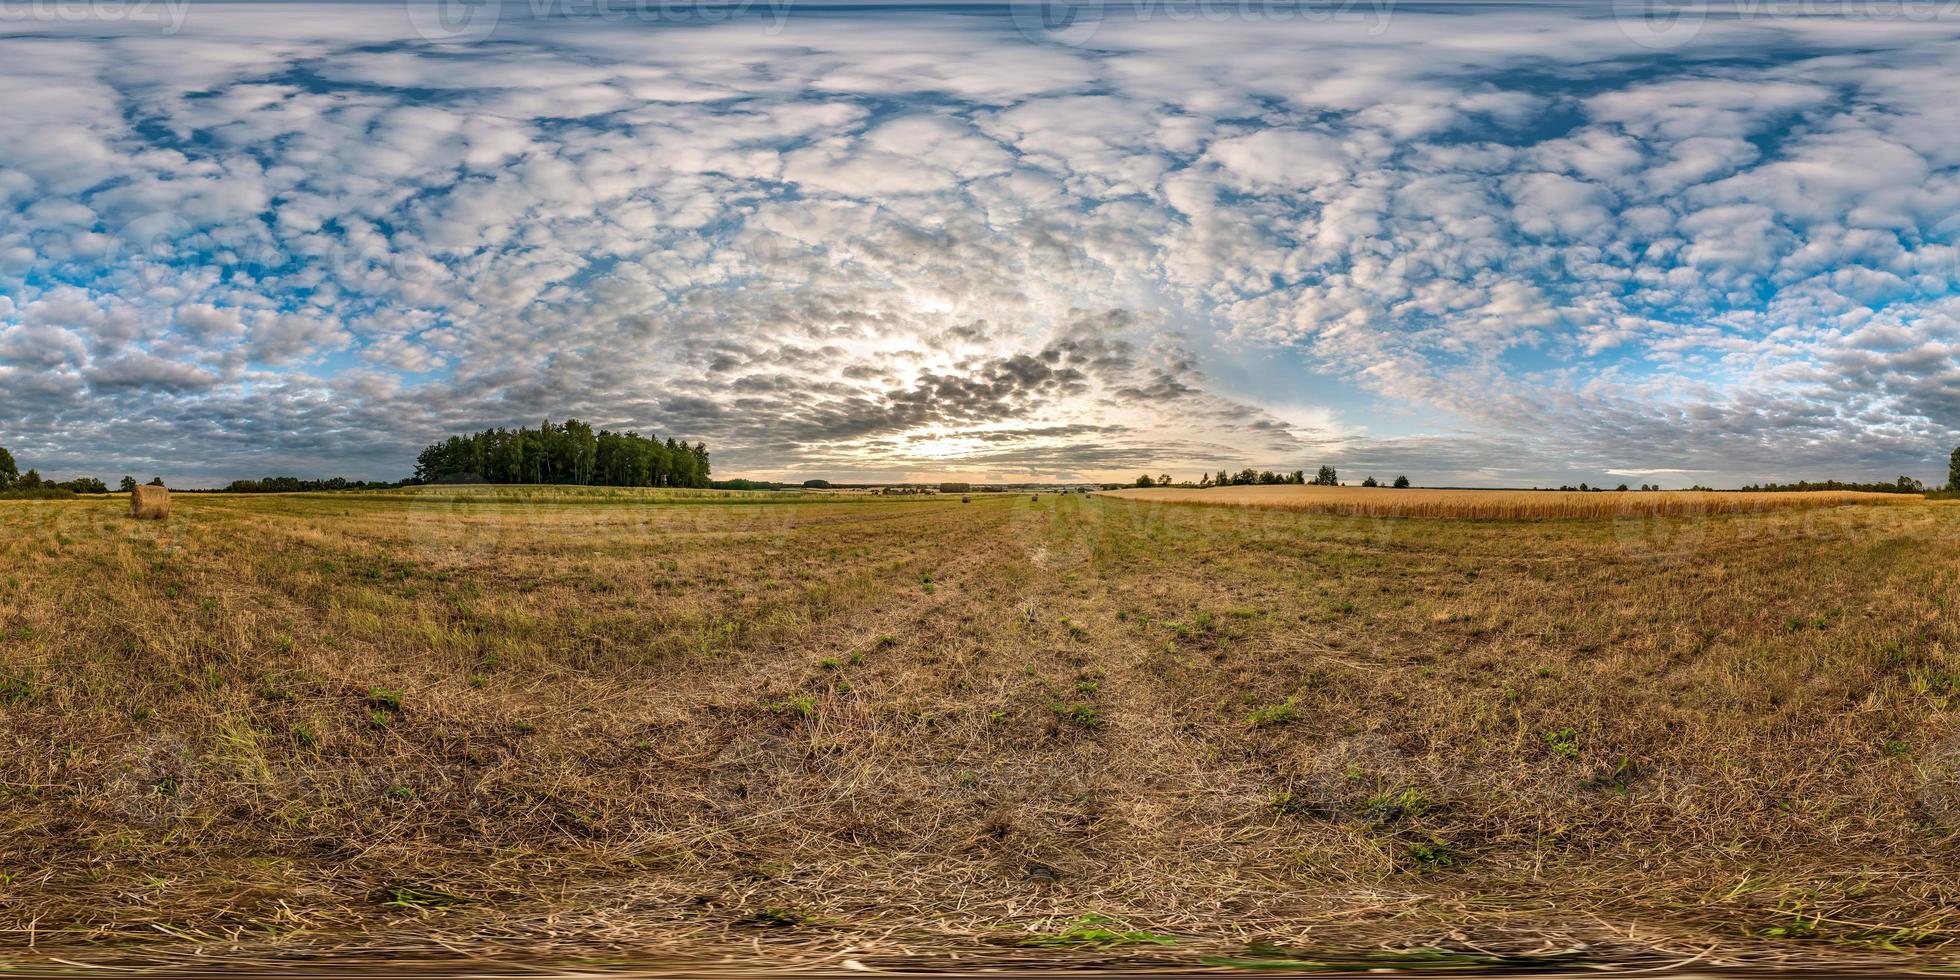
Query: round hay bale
(966,498)
(149,503)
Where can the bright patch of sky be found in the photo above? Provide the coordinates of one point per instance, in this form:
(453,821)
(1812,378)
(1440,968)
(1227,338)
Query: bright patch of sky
(1477,244)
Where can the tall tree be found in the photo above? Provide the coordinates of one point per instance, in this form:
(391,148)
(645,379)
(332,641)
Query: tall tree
(1952,470)
(10,474)
(128,484)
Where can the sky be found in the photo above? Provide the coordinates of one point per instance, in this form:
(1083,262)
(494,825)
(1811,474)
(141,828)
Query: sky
(1478,244)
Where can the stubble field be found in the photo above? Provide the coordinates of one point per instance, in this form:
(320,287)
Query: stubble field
(604,723)
(1507,504)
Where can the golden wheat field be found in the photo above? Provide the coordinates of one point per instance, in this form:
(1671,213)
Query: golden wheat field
(1505,504)
(921,734)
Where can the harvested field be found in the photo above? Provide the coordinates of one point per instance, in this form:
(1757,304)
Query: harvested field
(1067,731)
(1504,504)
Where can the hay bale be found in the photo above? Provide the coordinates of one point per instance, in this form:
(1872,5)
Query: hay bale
(966,498)
(149,503)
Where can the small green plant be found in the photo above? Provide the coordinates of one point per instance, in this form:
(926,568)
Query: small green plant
(1797,927)
(1389,808)
(1619,779)
(16,690)
(1079,713)
(1434,852)
(799,706)
(383,699)
(1287,803)
(1101,932)
(419,899)
(1563,741)
(1272,714)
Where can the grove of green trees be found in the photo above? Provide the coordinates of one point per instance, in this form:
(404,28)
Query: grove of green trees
(566,454)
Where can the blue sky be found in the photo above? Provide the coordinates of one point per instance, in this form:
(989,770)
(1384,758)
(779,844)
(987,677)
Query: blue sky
(1478,244)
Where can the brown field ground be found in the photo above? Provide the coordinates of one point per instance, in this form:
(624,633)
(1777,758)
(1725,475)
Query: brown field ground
(1506,504)
(612,724)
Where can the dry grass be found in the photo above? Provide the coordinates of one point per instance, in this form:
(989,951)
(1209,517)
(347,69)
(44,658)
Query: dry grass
(1505,504)
(888,731)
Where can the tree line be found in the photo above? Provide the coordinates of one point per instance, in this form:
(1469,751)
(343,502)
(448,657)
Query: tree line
(15,484)
(1904,484)
(1249,477)
(565,454)
(293,484)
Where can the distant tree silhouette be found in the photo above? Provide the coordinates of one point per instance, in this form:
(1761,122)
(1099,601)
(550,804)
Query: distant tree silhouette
(10,474)
(1402,482)
(128,484)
